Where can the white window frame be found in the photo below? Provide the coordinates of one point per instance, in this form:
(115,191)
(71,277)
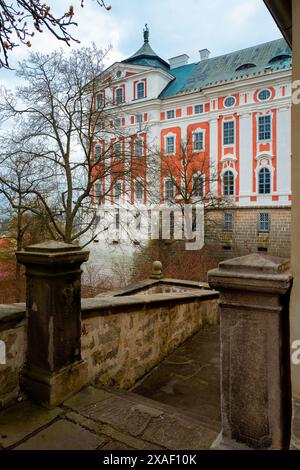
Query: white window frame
(223,132)
(100,95)
(119,144)
(169,180)
(142,182)
(118,182)
(234,185)
(170,111)
(260,229)
(232,105)
(116,95)
(198,131)
(271,127)
(98,146)
(228,226)
(138,118)
(202,106)
(266,99)
(97,194)
(136,90)
(166,145)
(199,175)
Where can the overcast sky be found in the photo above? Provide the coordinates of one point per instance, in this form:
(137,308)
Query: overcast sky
(176,27)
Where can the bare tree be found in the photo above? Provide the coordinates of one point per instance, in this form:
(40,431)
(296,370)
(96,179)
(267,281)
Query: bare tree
(19,178)
(76,141)
(20,20)
(190,178)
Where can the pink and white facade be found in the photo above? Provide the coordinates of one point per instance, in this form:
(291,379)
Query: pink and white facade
(233,111)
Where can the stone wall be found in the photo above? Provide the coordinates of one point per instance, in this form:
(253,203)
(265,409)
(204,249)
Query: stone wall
(13,333)
(122,337)
(245,238)
(121,347)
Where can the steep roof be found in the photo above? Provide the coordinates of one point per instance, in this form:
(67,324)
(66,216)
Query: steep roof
(146,55)
(246,63)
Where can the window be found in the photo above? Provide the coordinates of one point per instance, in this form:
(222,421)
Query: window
(169,189)
(139,190)
(264,181)
(139,147)
(99,101)
(117,122)
(198,109)
(228,132)
(228,221)
(117,150)
(97,191)
(228,183)
(140,90)
(245,67)
(229,102)
(264,222)
(198,186)
(280,58)
(198,143)
(119,95)
(264,95)
(264,127)
(117,190)
(170,145)
(138,118)
(98,152)
(171,114)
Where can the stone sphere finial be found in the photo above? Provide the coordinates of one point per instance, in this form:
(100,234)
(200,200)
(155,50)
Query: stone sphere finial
(156,270)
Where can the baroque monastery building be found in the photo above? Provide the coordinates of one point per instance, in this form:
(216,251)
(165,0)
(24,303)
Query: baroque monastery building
(231,112)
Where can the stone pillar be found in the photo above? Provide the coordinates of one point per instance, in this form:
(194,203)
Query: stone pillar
(255,364)
(295,252)
(54,368)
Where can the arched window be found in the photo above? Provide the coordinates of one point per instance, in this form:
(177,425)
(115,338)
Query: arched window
(264,181)
(140,90)
(228,183)
(169,189)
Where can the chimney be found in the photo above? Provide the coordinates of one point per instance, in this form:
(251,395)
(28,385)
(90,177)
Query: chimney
(178,61)
(204,54)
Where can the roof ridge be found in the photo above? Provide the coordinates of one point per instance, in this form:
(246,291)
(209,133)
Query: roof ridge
(247,48)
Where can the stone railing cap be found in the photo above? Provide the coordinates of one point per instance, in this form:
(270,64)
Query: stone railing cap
(256,262)
(53,246)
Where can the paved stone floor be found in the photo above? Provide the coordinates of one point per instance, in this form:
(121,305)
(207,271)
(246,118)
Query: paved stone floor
(189,378)
(184,413)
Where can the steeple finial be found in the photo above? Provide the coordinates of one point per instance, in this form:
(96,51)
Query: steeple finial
(146,34)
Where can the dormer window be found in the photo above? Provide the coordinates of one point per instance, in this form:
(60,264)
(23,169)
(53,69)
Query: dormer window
(140,90)
(245,67)
(119,95)
(279,58)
